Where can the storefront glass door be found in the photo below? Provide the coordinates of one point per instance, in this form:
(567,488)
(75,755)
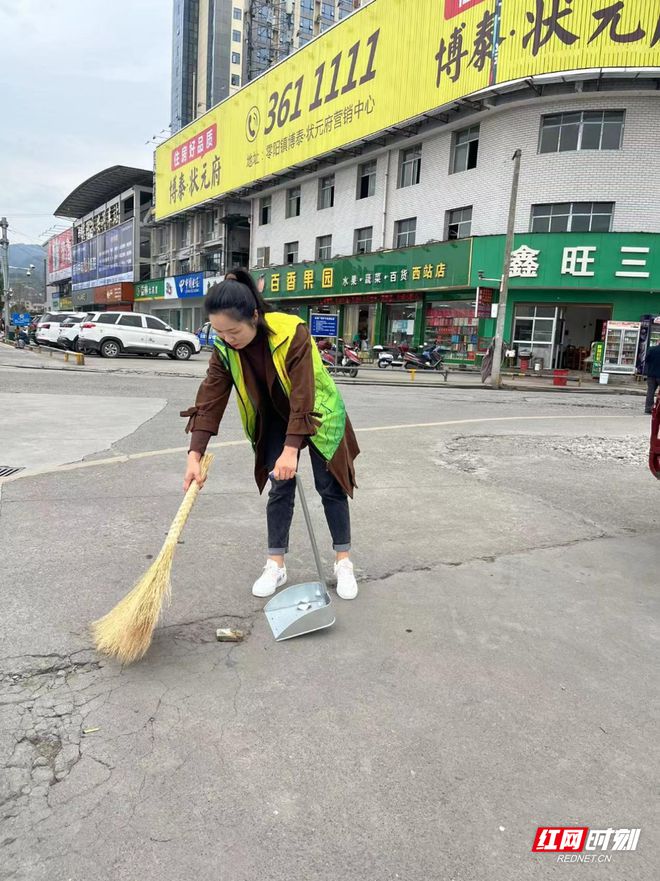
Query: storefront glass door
(400,323)
(360,320)
(534,332)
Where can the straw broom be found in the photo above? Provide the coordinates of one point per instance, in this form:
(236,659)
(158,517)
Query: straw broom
(126,631)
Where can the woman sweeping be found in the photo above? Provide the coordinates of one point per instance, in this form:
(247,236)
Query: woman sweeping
(286,400)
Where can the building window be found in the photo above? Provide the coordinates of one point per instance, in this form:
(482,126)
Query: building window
(362,240)
(328,10)
(572,217)
(291,252)
(263,256)
(324,247)
(213,261)
(465,147)
(235,57)
(184,266)
(404,232)
(236,36)
(209,226)
(235,79)
(366,179)
(306,25)
(326,191)
(184,233)
(307,4)
(459,223)
(238,14)
(583,130)
(410,166)
(293,202)
(264,210)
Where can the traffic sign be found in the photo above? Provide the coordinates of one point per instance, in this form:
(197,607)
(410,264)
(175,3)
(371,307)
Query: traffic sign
(20,319)
(324,325)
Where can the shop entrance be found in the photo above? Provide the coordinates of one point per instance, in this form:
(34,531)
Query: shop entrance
(558,336)
(400,323)
(360,325)
(579,327)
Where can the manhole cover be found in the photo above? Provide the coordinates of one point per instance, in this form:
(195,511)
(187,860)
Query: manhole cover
(7,470)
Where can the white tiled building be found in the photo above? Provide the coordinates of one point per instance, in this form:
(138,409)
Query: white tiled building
(453,180)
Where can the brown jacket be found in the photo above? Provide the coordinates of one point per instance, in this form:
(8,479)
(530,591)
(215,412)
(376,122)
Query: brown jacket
(297,410)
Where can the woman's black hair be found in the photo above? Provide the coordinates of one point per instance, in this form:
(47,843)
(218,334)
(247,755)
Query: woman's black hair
(238,296)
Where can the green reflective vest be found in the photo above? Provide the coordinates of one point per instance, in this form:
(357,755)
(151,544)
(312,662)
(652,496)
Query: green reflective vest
(328,404)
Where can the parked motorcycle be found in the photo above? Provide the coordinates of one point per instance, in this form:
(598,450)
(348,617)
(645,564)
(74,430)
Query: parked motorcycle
(347,364)
(430,359)
(388,359)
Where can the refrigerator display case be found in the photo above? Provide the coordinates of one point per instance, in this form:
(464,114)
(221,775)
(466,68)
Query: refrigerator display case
(621,344)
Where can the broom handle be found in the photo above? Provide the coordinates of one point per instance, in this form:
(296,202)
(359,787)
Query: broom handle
(189,500)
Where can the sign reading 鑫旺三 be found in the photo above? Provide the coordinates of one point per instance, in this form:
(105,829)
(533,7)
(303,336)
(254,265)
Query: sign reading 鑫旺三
(428,267)
(584,260)
(339,88)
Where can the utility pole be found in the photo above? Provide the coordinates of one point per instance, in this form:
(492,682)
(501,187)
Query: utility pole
(4,264)
(504,284)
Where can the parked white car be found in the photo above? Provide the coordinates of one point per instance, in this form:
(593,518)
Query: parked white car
(70,330)
(49,326)
(114,333)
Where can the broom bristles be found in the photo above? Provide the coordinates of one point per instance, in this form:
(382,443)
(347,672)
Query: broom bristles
(126,631)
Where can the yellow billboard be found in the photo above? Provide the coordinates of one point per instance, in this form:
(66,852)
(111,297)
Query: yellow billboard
(387,63)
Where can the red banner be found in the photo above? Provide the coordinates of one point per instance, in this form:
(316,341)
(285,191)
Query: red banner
(60,256)
(455,7)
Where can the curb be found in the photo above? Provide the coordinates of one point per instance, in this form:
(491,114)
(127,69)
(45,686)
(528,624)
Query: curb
(518,387)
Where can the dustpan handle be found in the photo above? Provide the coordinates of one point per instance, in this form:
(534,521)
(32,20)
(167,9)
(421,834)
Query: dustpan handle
(310,529)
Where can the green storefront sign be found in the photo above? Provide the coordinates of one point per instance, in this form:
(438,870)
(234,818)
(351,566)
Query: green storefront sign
(442,265)
(150,290)
(583,261)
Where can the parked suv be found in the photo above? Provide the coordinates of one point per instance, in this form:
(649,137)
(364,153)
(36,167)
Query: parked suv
(114,333)
(49,326)
(70,330)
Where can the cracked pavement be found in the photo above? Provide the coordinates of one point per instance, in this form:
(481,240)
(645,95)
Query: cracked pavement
(498,671)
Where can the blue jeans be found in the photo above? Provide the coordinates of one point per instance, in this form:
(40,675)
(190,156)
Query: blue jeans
(282,497)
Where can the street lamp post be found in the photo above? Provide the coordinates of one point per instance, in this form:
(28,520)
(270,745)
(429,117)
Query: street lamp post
(4,261)
(496,374)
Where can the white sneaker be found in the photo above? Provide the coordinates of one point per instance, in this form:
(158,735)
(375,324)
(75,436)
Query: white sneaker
(347,587)
(272,578)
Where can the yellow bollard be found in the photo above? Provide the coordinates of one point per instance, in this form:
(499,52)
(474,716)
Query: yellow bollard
(66,357)
(412,375)
(80,358)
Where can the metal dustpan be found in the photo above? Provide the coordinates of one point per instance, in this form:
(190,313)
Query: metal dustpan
(302,608)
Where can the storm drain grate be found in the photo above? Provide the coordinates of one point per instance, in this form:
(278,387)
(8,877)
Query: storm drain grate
(7,470)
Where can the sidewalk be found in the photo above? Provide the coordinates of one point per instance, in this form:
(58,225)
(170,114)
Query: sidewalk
(369,374)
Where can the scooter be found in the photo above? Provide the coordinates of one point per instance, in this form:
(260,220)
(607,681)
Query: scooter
(348,363)
(388,359)
(430,359)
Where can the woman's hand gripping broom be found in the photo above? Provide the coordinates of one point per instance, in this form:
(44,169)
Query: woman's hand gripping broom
(126,631)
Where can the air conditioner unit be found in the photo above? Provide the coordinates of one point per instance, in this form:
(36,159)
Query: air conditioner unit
(261,262)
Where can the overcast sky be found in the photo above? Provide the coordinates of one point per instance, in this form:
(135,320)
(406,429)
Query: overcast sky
(83,85)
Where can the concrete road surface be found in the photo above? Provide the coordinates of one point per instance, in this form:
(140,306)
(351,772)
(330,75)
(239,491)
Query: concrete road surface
(497,673)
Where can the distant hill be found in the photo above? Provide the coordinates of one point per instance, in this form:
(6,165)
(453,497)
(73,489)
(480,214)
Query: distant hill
(32,286)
